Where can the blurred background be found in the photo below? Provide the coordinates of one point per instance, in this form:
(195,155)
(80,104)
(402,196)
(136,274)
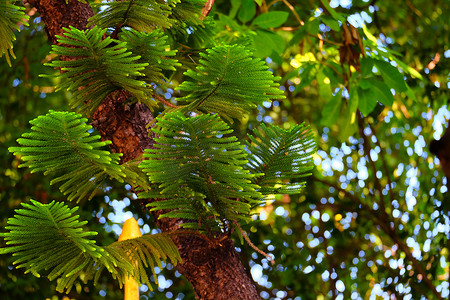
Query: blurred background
(373,218)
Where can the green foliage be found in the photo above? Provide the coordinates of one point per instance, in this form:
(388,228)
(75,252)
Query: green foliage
(10,16)
(281,157)
(199,170)
(151,47)
(247,11)
(61,146)
(97,68)
(186,12)
(271,19)
(141,15)
(229,82)
(373,167)
(49,238)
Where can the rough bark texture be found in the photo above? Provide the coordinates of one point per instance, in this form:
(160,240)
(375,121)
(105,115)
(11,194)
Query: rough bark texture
(57,14)
(211,266)
(124,125)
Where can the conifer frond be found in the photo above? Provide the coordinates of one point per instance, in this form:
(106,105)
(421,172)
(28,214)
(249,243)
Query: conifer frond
(199,169)
(229,81)
(10,16)
(186,12)
(48,238)
(142,15)
(283,156)
(96,68)
(61,146)
(135,176)
(152,49)
(143,253)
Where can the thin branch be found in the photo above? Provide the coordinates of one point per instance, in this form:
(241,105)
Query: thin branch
(324,40)
(366,147)
(287,28)
(161,99)
(207,8)
(253,245)
(292,9)
(290,28)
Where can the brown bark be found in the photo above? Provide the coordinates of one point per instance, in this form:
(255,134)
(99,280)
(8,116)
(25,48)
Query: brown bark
(211,266)
(57,15)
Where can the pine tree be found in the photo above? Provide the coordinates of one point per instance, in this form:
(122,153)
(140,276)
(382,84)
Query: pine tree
(195,176)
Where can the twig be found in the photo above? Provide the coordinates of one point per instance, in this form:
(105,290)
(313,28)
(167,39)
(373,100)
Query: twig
(207,8)
(324,40)
(161,99)
(253,245)
(291,8)
(366,147)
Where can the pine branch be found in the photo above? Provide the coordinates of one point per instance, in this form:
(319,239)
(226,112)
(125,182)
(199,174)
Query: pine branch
(282,157)
(10,16)
(151,47)
(198,167)
(48,238)
(229,82)
(186,13)
(141,15)
(96,67)
(61,146)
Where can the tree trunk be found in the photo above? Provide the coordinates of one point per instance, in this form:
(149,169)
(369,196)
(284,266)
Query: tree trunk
(211,266)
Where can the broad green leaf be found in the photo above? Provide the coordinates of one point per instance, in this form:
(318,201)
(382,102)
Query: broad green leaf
(382,92)
(369,35)
(259,2)
(353,102)
(331,22)
(235,5)
(364,84)
(271,19)
(276,58)
(263,48)
(366,66)
(347,123)
(391,75)
(367,101)
(324,86)
(410,70)
(312,26)
(247,11)
(414,73)
(266,41)
(331,110)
